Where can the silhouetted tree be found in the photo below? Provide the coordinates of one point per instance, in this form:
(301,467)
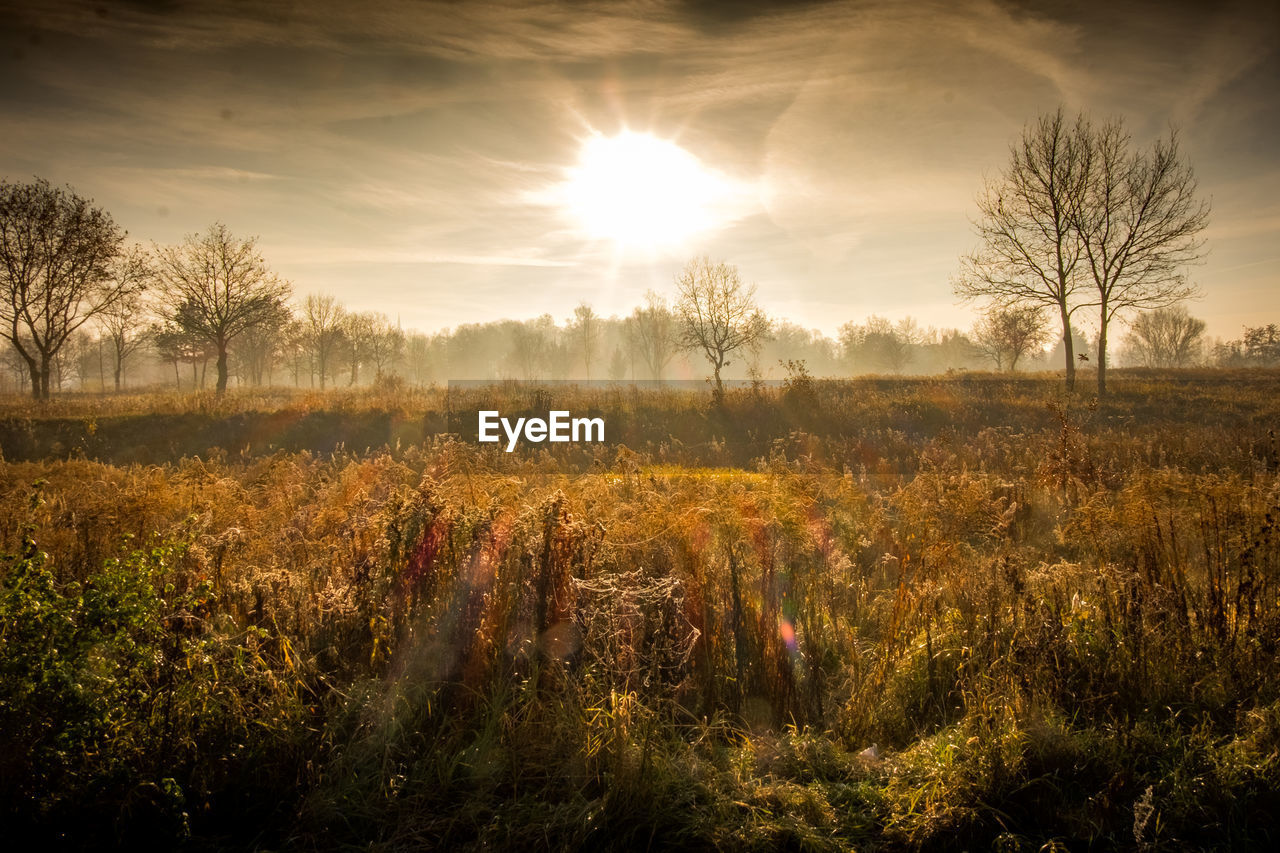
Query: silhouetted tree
(717,313)
(221,287)
(123,320)
(1139,222)
(1030,248)
(1005,335)
(56,251)
(324,330)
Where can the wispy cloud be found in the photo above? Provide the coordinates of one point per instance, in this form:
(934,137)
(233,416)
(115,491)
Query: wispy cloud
(409,134)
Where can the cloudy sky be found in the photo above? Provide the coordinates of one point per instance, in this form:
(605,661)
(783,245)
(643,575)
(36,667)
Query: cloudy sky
(427,159)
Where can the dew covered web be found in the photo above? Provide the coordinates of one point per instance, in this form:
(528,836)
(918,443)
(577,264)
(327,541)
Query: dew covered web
(634,628)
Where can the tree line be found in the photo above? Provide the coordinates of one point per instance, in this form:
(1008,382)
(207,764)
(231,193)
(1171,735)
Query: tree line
(1077,223)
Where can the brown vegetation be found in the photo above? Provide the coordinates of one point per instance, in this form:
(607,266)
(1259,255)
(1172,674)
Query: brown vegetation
(1056,619)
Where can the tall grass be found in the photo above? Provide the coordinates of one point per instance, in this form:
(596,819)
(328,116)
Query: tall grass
(1056,620)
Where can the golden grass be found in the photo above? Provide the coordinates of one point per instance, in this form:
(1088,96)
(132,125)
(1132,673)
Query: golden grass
(1041,610)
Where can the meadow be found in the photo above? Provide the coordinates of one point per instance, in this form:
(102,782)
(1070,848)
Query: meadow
(955,612)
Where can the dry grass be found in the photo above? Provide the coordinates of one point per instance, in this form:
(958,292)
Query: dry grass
(1056,620)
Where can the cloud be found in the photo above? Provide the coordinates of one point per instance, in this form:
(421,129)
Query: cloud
(409,134)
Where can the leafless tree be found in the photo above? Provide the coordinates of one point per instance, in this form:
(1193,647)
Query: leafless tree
(656,333)
(386,344)
(584,331)
(358,334)
(1005,335)
(56,251)
(372,339)
(1165,337)
(1139,223)
(84,360)
(123,320)
(1030,249)
(324,330)
(219,287)
(717,313)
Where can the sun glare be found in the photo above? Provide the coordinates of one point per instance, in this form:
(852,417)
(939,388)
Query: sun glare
(641,192)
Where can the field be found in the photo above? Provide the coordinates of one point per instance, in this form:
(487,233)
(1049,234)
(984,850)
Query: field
(960,612)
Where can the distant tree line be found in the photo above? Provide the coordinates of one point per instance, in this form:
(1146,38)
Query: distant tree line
(82,308)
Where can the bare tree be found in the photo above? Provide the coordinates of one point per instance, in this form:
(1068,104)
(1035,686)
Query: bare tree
(324,330)
(584,330)
(717,313)
(84,360)
(1005,335)
(358,333)
(385,345)
(1030,248)
(294,349)
(1139,223)
(122,320)
(219,287)
(56,250)
(372,339)
(257,350)
(1165,337)
(656,333)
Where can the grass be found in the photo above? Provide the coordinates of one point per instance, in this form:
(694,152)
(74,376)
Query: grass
(1056,619)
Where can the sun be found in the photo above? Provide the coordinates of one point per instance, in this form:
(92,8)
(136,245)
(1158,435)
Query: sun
(641,192)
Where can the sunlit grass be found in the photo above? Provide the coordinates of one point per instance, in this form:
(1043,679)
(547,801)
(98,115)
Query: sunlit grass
(1054,620)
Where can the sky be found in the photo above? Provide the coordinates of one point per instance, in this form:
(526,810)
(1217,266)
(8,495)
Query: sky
(426,159)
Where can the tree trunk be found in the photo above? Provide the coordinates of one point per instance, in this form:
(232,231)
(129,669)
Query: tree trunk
(222,368)
(35,377)
(44,378)
(1069,347)
(1102,350)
